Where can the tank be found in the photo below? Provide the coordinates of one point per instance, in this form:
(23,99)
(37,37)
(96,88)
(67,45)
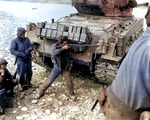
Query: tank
(100,35)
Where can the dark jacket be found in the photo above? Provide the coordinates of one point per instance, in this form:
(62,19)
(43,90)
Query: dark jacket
(19,48)
(7,82)
(60,57)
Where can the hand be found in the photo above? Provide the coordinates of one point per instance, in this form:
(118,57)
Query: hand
(2,72)
(66,47)
(30,48)
(15,80)
(23,55)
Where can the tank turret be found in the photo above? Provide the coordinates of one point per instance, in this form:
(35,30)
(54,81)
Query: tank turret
(105,7)
(100,33)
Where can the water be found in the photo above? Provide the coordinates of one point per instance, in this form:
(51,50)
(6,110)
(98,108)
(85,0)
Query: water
(8,28)
(40,11)
(142,1)
(16,14)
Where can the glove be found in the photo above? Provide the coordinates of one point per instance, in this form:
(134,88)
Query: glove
(28,50)
(23,55)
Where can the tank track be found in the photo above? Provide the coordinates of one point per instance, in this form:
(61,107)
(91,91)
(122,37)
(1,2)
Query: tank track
(106,70)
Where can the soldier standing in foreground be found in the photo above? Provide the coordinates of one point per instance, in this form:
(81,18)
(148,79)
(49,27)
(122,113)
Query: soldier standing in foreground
(128,97)
(60,58)
(21,47)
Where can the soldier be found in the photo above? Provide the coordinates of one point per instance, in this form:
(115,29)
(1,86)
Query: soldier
(129,94)
(6,86)
(60,58)
(21,47)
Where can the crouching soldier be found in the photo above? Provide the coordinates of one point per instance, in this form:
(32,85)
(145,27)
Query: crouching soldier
(128,97)
(6,86)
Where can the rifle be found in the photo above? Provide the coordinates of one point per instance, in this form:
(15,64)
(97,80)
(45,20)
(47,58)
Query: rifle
(77,48)
(94,105)
(15,61)
(16,76)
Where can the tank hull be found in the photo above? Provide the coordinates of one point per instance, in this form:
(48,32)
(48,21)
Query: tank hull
(101,41)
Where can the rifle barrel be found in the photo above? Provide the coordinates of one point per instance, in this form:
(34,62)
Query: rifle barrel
(94,105)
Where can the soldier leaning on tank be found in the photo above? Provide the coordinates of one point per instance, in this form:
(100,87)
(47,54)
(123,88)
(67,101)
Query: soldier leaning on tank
(21,47)
(6,86)
(60,58)
(128,97)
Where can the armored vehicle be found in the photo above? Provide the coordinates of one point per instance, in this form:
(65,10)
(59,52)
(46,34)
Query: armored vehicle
(100,34)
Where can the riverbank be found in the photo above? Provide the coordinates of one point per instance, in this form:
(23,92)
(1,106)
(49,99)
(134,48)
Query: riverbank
(56,104)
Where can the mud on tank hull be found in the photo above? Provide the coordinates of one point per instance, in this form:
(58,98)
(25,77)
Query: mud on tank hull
(100,42)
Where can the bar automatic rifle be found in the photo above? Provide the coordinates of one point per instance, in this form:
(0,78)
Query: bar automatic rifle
(77,48)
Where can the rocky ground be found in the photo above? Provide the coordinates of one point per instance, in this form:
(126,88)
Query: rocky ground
(56,104)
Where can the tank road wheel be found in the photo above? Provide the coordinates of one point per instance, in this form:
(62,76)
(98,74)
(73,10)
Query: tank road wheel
(106,71)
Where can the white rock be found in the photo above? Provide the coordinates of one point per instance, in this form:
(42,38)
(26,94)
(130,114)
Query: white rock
(60,103)
(24,109)
(19,117)
(25,115)
(34,117)
(53,94)
(19,106)
(14,111)
(49,99)
(101,114)
(34,92)
(35,110)
(53,116)
(34,101)
(47,111)
(41,103)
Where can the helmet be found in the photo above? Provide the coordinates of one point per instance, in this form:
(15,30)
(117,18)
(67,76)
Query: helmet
(20,30)
(3,61)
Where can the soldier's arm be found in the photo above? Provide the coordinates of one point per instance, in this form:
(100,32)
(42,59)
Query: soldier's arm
(56,51)
(13,50)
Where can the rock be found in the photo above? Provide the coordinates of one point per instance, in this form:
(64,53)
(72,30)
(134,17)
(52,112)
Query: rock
(19,117)
(73,97)
(34,101)
(22,96)
(14,111)
(41,103)
(19,106)
(60,103)
(53,94)
(47,111)
(34,92)
(25,115)
(101,114)
(35,110)
(34,117)
(24,109)
(49,99)
(53,116)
